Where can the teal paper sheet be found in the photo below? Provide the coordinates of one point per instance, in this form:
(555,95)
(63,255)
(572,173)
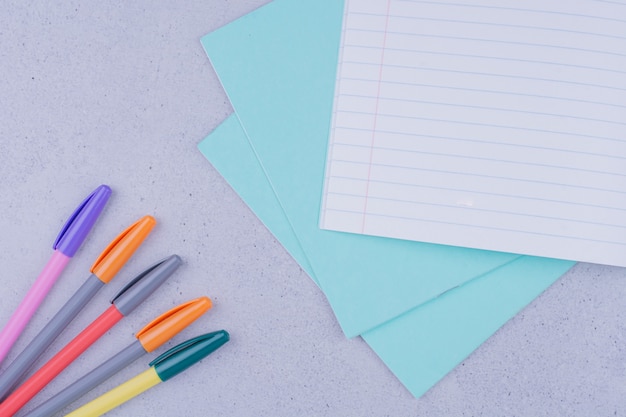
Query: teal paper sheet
(278,67)
(421,346)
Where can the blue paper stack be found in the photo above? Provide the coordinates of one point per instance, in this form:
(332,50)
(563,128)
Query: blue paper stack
(423,308)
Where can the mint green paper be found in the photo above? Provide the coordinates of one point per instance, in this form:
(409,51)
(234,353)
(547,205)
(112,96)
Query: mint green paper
(427,342)
(278,66)
(424,344)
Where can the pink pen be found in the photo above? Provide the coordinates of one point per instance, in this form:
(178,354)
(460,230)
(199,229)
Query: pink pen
(65,246)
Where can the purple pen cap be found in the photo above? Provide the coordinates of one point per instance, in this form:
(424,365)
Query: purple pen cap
(79,224)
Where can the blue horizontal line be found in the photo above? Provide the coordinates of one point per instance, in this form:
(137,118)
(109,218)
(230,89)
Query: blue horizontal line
(476,192)
(477,227)
(528,61)
(488,125)
(391,132)
(619,192)
(464,38)
(485,108)
(484,91)
(516,10)
(577,169)
(433,19)
(552,80)
(370,197)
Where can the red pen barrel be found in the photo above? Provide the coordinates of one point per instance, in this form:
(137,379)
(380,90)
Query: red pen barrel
(60,361)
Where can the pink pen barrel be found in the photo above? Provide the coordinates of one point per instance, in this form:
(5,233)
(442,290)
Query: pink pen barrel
(68,241)
(30,303)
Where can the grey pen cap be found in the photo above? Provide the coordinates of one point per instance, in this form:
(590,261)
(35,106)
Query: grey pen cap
(144,284)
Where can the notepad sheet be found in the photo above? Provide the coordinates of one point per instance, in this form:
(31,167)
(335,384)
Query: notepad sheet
(486,124)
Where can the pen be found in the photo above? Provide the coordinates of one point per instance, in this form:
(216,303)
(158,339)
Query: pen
(102,271)
(122,304)
(65,246)
(157,332)
(164,367)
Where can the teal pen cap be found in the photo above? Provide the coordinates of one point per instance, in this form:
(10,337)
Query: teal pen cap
(186,354)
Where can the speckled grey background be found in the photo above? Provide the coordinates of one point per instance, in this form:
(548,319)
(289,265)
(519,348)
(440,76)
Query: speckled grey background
(121,93)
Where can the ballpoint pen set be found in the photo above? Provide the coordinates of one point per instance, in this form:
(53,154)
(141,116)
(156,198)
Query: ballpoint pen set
(15,392)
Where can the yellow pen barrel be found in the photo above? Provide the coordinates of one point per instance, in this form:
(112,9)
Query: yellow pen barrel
(118,395)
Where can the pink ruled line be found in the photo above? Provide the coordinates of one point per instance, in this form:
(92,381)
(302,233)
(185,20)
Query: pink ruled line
(380,76)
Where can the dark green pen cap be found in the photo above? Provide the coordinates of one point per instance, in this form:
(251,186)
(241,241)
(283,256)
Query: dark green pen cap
(182,356)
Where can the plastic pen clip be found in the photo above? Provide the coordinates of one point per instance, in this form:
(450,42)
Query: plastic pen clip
(186,354)
(144,284)
(77,227)
(117,253)
(168,324)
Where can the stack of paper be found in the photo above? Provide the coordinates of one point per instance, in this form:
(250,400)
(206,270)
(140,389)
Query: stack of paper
(422,307)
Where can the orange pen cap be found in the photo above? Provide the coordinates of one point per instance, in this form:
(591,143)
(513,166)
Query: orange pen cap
(121,249)
(168,324)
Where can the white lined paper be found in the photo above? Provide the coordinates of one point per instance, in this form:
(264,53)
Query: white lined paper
(492,125)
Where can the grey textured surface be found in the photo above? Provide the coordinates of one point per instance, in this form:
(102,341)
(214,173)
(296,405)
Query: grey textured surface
(121,93)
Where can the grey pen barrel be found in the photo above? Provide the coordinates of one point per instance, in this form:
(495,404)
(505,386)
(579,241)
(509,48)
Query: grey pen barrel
(13,375)
(88,382)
